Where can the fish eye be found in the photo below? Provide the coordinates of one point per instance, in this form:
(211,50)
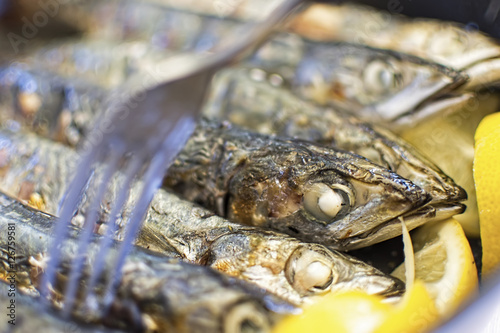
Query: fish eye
(309,271)
(380,77)
(327,203)
(246,318)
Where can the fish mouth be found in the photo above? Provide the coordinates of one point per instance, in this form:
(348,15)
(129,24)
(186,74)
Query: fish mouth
(431,212)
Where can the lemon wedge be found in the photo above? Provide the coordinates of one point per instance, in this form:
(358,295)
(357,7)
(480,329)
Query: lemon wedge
(487,180)
(444,262)
(415,313)
(359,312)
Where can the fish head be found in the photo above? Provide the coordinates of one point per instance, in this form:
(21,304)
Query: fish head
(314,270)
(294,270)
(323,195)
(375,82)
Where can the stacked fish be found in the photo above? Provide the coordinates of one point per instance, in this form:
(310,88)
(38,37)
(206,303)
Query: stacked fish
(290,166)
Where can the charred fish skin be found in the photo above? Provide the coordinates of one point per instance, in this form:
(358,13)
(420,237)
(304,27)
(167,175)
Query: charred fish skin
(312,192)
(204,299)
(176,227)
(248,98)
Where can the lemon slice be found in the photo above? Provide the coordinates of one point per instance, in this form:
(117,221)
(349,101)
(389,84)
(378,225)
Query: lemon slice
(487,180)
(444,262)
(415,313)
(359,312)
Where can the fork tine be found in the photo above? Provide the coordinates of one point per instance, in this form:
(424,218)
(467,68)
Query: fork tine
(107,239)
(85,235)
(171,146)
(74,193)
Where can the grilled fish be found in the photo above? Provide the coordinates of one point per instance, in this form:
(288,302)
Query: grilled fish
(313,192)
(435,186)
(347,134)
(64,111)
(294,270)
(376,83)
(203,299)
(444,42)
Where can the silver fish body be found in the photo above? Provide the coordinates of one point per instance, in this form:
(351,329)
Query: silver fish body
(73,116)
(175,227)
(64,110)
(204,299)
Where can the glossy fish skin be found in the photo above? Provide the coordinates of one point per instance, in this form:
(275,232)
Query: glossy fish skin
(204,299)
(443,42)
(248,98)
(101,62)
(177,227)
(277,183)
(160,21)
(377,85)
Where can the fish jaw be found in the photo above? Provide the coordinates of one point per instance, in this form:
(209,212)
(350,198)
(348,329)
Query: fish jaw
(426,214)
(483,74)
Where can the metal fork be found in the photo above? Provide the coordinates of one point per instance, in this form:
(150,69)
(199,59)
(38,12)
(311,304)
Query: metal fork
(147,129)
